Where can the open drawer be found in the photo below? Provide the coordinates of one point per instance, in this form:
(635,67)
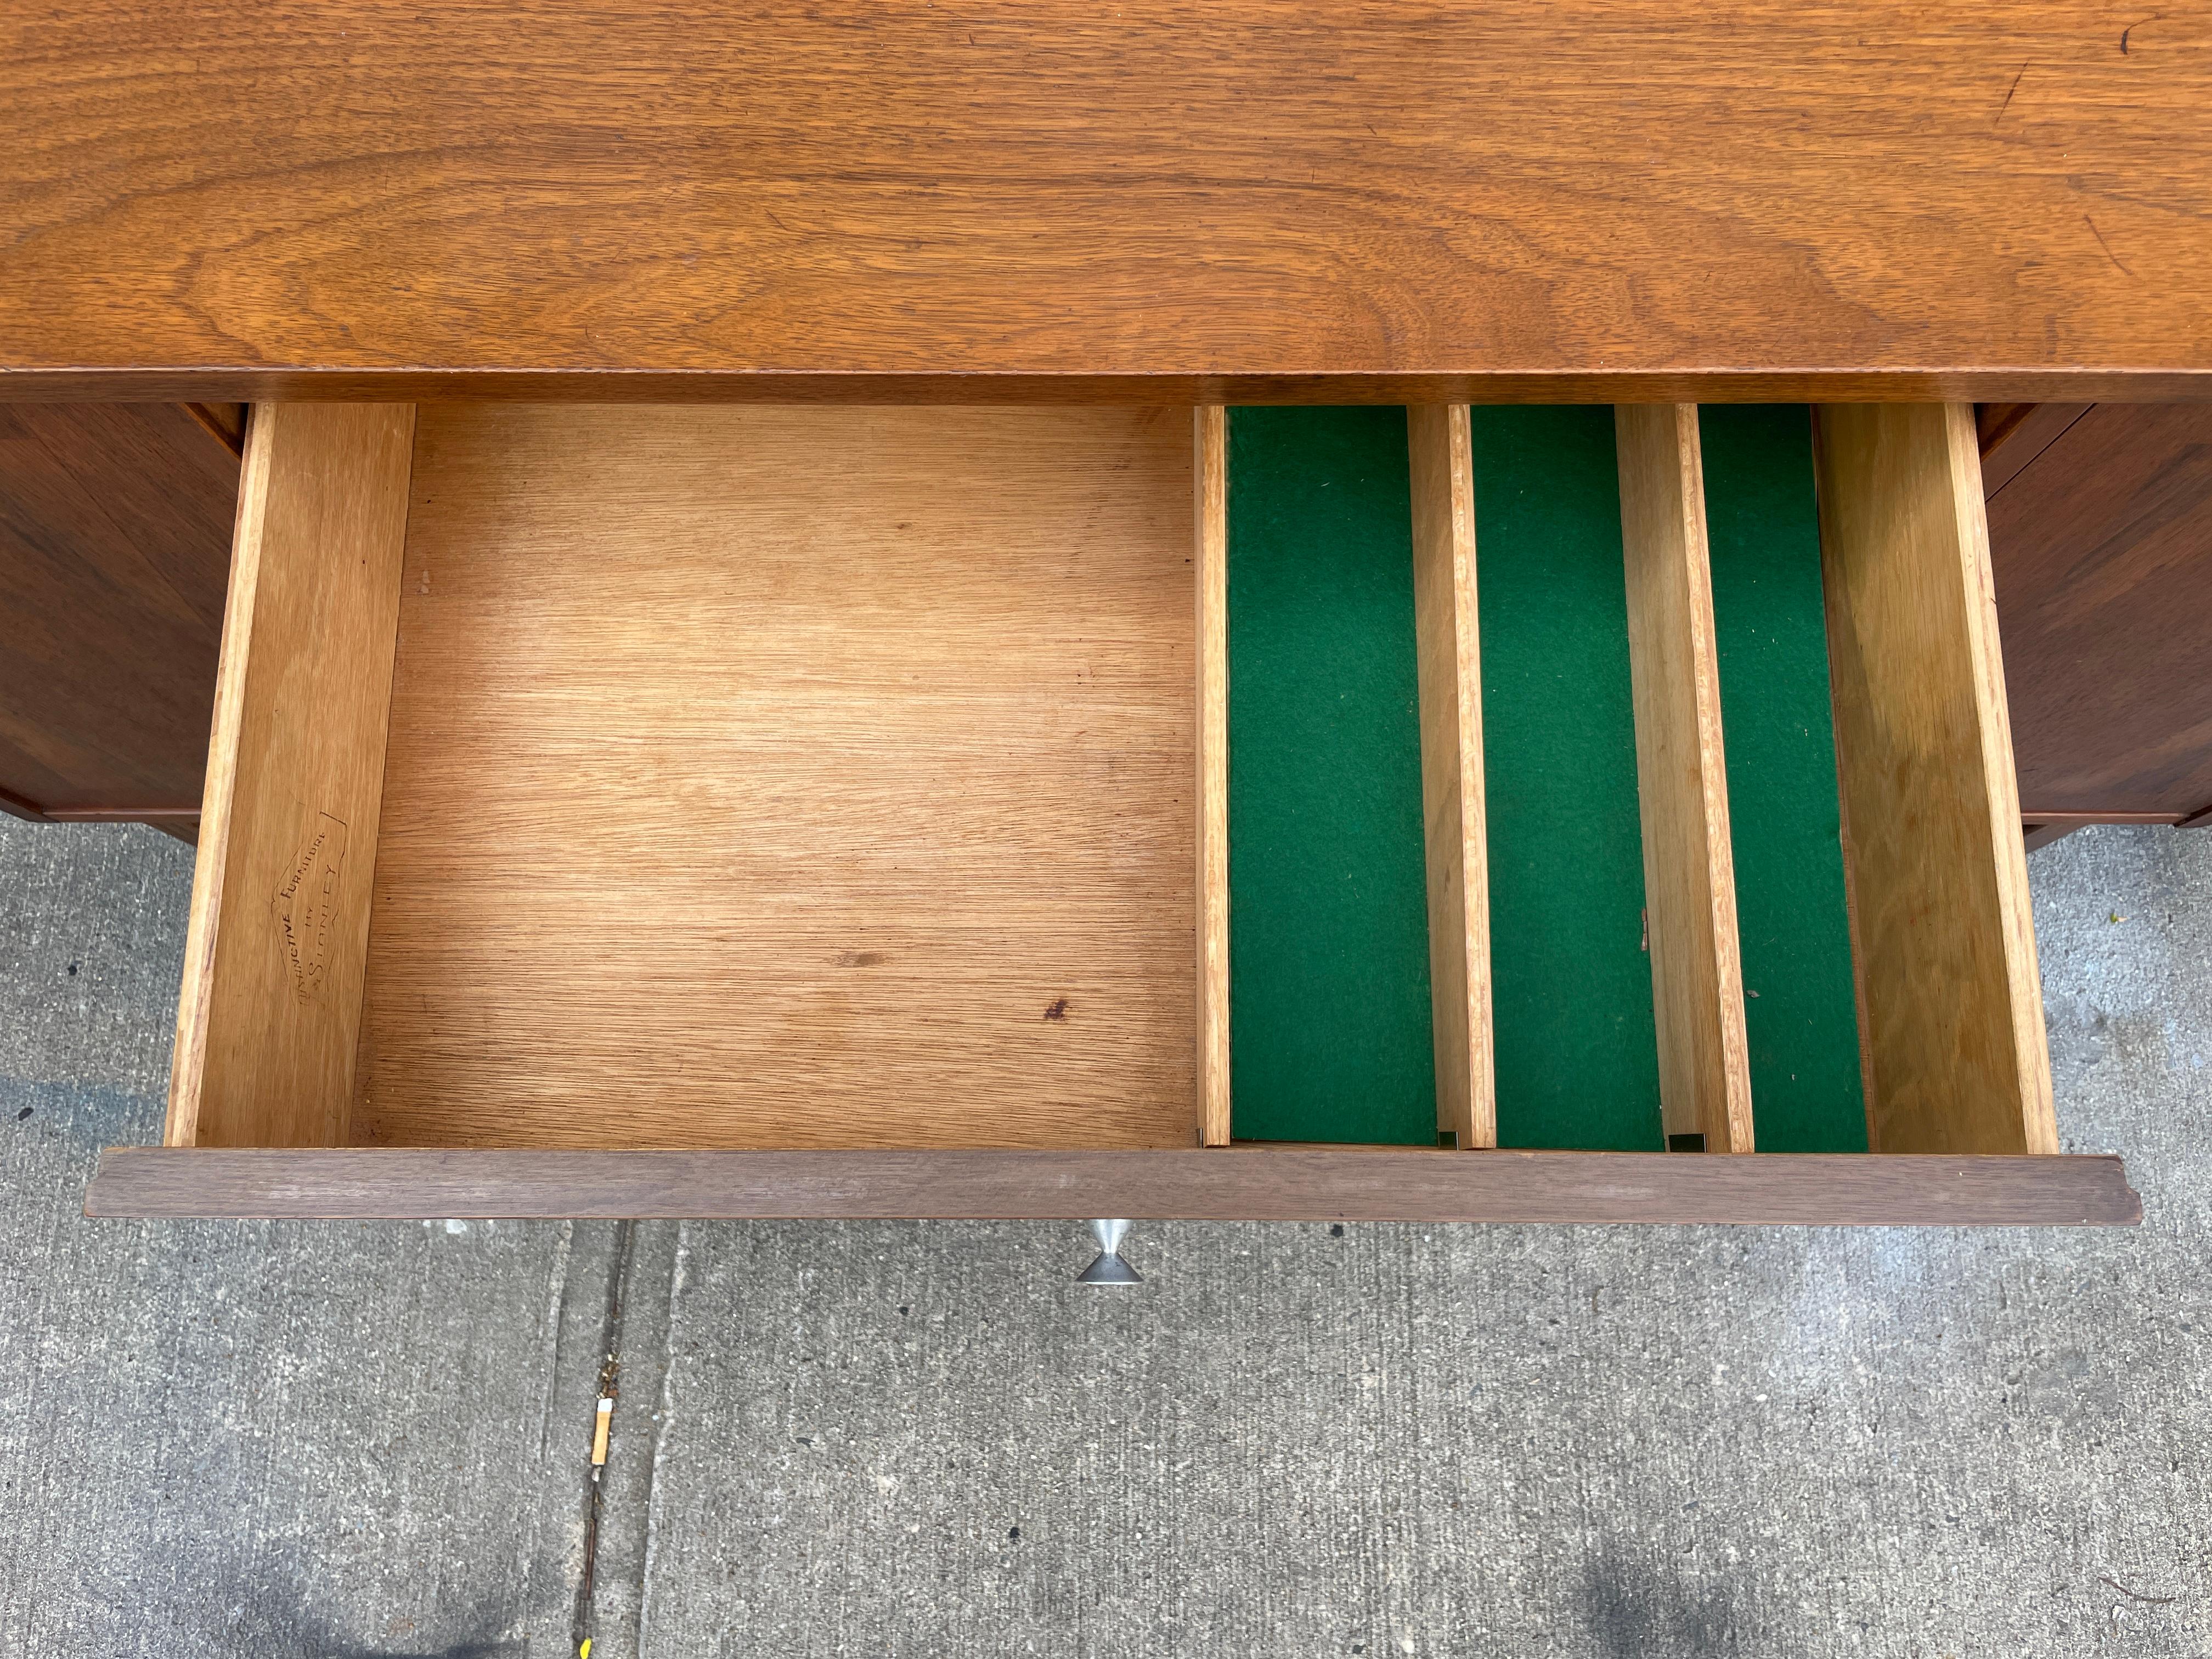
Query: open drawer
(872,811)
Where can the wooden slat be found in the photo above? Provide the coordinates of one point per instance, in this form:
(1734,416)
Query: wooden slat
(2029,815)
(16,807)
(1449,644)
(1228,1184)
(1681,780)
(1945,941)
(1210,494)
(183,823)
(271,1007)
(119,814)
(1206,203)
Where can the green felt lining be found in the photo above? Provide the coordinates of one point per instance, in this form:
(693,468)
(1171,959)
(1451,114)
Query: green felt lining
(1328,962)
(1777,725)
(1329,1019)
(1578,1060)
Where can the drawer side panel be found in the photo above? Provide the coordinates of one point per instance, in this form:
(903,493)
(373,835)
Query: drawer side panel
(270,1004)
(1943,935)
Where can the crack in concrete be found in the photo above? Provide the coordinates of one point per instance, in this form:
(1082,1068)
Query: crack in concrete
(677,1260)
(580,1630)
(643,1275)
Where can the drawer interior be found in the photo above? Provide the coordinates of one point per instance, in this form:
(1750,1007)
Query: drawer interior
(786,777)
(724,777)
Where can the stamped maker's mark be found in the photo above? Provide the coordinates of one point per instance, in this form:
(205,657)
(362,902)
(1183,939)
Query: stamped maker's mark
(307,906)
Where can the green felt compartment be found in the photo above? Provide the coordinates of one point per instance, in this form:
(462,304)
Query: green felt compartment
(1329,1019)
(1578,1062)
(1777,722)
(1328,966)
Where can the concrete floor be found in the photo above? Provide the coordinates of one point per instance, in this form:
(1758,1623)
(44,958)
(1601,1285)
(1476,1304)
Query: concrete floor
(369,1439)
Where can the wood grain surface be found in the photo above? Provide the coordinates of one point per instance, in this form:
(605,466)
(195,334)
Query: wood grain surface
(271,1004)
(1681,780)
(1209,556)
(1448,638)
(2082,820)
(2013,435)
(1218,1183)
(1002,198)
(1943,939)
(2101,546)
(115,524)
(789,777)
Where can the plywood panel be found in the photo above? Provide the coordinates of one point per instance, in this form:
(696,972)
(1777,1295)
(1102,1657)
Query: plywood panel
(1197,203)
(789,778)
(1944,937)
(267,1019)
(1448,642)
(1681,779)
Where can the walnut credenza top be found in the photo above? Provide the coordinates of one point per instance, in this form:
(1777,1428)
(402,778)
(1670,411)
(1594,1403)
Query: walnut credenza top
(1167,203)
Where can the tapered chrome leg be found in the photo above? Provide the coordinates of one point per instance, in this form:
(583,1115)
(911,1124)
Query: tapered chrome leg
(1109,1268)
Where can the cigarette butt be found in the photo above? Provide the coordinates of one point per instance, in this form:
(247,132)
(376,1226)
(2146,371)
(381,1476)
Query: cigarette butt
(599,1432)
